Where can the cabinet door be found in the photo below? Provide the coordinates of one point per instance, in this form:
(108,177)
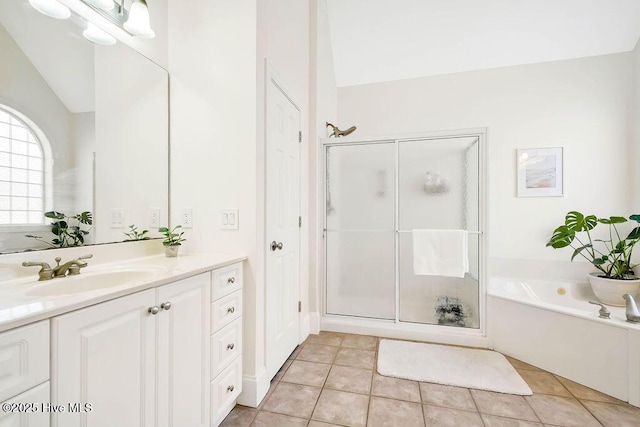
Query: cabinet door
(32,416)
(105,356)
(183,353)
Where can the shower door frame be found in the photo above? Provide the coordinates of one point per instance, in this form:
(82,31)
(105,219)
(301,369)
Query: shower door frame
(395,327)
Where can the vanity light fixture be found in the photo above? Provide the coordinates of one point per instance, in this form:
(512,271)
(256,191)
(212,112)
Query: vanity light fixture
(102,4)
(134,20)
(98,36)
(138,23)
(52,8)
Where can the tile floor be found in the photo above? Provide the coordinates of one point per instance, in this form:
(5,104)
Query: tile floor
(330,380)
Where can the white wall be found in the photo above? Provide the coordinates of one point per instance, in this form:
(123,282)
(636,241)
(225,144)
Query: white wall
(323,100)
(583,105)
(83,130)
(635,132)
(212,62)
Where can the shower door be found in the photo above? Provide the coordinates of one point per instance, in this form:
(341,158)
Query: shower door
(360,230)
(376,194)
(438,188)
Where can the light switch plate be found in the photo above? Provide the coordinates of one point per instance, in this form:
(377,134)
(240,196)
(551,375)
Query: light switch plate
(117,218)
(229,219)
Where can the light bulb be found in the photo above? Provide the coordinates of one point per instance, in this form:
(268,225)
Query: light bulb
(138,23)
(52,8)
(96,35)
(102,4)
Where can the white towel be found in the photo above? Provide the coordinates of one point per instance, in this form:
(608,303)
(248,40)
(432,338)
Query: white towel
(440,252)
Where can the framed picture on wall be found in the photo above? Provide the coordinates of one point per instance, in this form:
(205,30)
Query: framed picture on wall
(540,172)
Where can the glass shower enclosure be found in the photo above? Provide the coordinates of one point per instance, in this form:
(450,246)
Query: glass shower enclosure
(376,193)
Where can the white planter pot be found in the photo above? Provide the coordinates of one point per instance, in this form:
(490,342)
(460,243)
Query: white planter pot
(610,291)
(171,251)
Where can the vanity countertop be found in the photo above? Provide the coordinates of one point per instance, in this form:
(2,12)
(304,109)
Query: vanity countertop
(22,300)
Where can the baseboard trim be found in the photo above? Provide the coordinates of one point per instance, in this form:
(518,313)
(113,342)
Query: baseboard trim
(254,389)
(304,328)
(314,323)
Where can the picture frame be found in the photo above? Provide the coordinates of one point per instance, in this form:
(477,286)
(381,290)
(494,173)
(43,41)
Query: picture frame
(540,172)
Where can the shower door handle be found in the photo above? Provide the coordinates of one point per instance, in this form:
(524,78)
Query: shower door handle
(276,245)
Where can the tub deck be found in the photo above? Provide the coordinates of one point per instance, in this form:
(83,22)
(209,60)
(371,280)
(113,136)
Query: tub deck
(552,325)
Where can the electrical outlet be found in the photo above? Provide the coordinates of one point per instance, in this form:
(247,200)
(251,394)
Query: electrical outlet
(154,218)
(229,219)
(187,218)
(117,218)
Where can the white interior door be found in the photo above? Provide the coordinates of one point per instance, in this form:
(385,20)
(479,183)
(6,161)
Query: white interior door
(282,229)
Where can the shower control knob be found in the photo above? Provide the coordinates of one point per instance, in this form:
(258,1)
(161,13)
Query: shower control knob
(276,245)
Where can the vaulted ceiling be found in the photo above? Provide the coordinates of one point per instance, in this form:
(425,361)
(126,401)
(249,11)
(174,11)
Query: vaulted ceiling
(382,40)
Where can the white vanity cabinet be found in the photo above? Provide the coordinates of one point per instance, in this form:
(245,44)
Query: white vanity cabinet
(140,361)
(24,376)
(226,340)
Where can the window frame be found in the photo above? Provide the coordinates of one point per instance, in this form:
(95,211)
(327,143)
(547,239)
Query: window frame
(47,166)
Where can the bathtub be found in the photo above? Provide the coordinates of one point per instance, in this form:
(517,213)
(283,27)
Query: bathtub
(550,324)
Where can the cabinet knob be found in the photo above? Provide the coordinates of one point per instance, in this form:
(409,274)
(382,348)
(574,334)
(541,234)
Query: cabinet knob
(231,280)
(230,388)
(166,305)
(154,310)
(230,346)
(231,309)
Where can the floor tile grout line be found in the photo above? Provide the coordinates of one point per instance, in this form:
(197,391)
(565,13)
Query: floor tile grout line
(589,411)
(375,350)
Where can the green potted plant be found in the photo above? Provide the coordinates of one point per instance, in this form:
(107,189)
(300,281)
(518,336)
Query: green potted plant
(68,230)
(611,256)
(134,234)
(172,240)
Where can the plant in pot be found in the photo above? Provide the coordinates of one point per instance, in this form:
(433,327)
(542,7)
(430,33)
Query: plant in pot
(67,230)
(172,240)
(610,256)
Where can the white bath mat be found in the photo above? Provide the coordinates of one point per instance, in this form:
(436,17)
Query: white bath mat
(456,366)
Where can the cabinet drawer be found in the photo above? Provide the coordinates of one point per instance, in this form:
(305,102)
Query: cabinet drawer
(28,415)
(225,389)
(24,359)
(226,345)
(225,310)
(226,280)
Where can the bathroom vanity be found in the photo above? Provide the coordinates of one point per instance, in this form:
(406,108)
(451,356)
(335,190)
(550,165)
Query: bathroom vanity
(150,341)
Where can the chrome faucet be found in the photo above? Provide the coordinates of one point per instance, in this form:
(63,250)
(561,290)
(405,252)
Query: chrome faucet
(632,312)
(45,273)
(604,311)
(72,267)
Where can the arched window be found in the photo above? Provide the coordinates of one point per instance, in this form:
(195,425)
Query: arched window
(25,173)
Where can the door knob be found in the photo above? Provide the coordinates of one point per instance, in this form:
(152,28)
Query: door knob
(154,310)
(166,305)
(276,245)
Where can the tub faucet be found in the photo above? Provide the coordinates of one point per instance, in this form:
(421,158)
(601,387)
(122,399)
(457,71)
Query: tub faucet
(604,311)
(72,267)
(633,315)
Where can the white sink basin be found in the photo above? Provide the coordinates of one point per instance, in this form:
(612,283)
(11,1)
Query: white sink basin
(92,281)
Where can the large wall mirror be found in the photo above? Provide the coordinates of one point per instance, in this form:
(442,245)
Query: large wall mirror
(83,133)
